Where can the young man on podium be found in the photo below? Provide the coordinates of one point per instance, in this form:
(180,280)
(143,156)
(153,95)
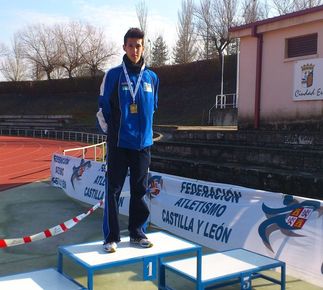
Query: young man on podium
(127,102)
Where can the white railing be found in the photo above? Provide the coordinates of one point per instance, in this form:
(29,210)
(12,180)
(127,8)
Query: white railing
(89,138)
(226,101)
(223,101)
(84,150)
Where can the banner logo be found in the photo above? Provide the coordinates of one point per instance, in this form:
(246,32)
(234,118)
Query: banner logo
(298,217)
(155,185)
(287,219)
(308,85)
(79,170)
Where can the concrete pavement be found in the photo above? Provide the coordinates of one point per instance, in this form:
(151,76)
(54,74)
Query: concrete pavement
(32,208)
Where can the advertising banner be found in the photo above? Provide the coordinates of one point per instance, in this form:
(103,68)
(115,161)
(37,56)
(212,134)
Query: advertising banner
(222,217)
(308,81)
(218,216)
(84,180)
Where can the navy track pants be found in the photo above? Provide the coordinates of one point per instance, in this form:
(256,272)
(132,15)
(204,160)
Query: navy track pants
(118,161)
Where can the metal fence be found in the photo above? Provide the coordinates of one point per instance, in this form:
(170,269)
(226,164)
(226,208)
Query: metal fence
(89,138)
(99,151)
(223,102)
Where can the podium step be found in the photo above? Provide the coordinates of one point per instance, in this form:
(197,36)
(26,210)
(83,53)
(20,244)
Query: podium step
(47,279)
(224,268)
(92,258)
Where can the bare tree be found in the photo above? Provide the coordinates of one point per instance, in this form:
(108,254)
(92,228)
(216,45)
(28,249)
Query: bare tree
(203,18)
(55,51)
(254,10)
(95,51)
(214,18)
(13,66)
(185,50)
(41,47)
(304,4)
(3,49)
(142,12)
(283,6)
(59,73)
(71,37)
(288,6)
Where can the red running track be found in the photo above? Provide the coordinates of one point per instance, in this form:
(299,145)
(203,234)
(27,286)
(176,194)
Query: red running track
(25,160)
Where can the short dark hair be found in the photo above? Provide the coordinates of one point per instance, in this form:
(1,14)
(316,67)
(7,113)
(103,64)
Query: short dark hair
(133,33)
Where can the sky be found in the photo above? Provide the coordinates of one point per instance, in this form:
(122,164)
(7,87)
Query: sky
(115,17)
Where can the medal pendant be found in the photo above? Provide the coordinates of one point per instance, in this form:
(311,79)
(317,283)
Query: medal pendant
(133,109)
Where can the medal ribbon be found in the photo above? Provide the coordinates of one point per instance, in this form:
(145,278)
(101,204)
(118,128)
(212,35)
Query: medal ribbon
(133,93)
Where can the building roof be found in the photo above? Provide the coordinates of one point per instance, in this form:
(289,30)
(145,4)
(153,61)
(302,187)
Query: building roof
(282,21)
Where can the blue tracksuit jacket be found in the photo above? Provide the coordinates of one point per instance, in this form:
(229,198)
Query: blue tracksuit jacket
(125,129)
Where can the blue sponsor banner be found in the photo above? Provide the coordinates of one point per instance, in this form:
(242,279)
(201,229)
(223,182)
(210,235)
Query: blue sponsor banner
(219,216)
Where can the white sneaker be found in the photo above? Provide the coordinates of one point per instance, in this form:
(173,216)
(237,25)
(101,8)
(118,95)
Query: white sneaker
(110,247)
(142,242)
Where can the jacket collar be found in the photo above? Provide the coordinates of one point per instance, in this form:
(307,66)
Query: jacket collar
(133,67)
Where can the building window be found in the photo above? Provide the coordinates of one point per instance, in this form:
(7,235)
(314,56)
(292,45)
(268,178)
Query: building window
(301,45)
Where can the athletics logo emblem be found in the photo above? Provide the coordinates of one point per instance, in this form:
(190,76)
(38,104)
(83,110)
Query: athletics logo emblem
(298,217)
(307,75)
(287,219)
(79,170)
(155,185)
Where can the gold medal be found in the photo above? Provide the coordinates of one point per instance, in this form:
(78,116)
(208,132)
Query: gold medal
(133,108)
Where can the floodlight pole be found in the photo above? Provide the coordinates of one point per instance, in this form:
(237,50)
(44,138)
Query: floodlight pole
(222,71)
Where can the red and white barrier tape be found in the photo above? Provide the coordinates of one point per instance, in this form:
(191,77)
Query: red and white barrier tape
(54,231)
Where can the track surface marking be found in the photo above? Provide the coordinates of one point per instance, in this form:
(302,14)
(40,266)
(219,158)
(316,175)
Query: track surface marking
(24,160)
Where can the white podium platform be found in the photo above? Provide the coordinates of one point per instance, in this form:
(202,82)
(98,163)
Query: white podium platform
(48,279)
(224,268)
(92,257)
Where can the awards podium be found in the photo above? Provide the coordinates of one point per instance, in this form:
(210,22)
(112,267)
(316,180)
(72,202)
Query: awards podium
(216,269)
